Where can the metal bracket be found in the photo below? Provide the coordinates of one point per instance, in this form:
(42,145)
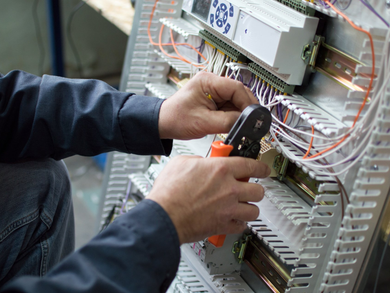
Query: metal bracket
(280,166)
(239,247)
(310,51)
(332,62)
(338,66)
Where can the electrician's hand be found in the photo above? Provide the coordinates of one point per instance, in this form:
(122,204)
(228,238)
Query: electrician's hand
(203,196)
(189,114)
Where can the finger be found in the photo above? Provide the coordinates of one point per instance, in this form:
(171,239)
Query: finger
(246,167)
(185,158)
(227,106)
(250,192)
(236,227)
(224,89)
(252,96)
(221,122)
(246,212)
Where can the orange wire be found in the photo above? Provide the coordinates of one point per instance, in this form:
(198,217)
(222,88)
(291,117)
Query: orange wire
(369,86)
(160,45)
(176,44)
(285,117)
(178,54)
(171,56)
(150,24)
(166,44)
(373,57)
(311,143)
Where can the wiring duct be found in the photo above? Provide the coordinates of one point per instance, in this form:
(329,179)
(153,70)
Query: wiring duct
(357,136)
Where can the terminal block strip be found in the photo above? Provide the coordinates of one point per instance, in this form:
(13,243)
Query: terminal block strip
(298,6)
(222,46)
(270,78)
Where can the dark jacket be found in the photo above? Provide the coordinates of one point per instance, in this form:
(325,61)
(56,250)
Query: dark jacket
(57,117)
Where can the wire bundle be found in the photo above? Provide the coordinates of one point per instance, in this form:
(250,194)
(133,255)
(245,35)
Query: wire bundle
(300,145)
(364,2)
(266,94)
(355,140)
(173,44)
(217,61)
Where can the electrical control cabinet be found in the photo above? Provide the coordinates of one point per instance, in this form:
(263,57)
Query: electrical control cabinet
(322,70)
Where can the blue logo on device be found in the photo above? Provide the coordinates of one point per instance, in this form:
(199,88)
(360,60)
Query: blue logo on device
(221,16)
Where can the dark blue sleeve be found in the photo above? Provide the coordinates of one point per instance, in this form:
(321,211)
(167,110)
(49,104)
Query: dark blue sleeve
(58,117)
(139,252)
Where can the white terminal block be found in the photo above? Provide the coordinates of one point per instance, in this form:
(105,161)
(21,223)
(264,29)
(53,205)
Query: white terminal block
(270,31)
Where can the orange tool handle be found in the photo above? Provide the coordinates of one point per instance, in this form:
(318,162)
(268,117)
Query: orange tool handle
(219,149)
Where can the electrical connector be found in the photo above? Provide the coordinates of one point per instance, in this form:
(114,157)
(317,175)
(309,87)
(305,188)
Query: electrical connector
(222,46)
(270,78)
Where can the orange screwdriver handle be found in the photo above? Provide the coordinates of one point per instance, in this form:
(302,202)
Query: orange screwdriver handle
(219,149)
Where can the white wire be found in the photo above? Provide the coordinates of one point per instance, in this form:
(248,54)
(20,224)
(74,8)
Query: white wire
(300,143)
(334,139)
(362,128)
(223,65)
(360,122)
(318,166)
(350,131)
(357,150)
(237,73)
(318,146)
(254,84)
(335,149)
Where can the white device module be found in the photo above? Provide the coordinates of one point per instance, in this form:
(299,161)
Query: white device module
(266,31)
(276,35)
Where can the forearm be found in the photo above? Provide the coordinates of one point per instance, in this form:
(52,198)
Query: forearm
(139,252)
(57,117)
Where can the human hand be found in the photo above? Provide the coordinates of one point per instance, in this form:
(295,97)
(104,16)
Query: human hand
(203,197)
(189,114)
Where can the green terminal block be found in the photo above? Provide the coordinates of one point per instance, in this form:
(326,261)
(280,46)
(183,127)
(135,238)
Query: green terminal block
(271,79)
(298,6)
(222,46)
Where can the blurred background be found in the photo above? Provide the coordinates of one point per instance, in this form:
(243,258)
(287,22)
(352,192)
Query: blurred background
(99,44)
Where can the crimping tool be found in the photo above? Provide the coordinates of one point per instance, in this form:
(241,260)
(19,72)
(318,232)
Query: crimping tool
(243,140)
